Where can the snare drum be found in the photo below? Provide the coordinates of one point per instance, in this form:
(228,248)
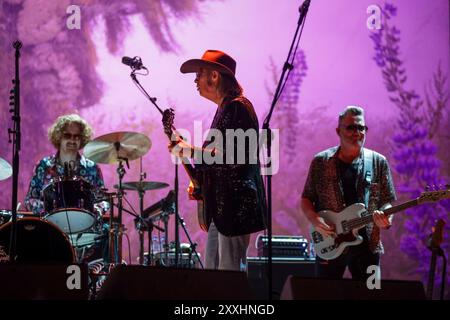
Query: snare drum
(38,241)
(69,203)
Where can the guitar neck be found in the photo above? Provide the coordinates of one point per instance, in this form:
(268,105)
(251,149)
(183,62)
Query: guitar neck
(190,170)
(368,218)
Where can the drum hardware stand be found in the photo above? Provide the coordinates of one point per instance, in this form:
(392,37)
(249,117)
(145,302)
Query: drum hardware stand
(147,225)
(167,210)
(142,224)
(117,228)
(16,145)
(165,220)
(288,66)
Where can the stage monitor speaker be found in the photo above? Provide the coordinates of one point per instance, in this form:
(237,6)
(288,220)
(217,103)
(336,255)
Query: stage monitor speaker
(158,283)
(281,269)
(43,282)
(299,288)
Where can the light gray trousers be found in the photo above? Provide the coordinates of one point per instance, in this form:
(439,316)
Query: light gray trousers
(226,253)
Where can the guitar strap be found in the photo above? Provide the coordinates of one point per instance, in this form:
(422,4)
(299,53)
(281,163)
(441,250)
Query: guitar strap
(368,165)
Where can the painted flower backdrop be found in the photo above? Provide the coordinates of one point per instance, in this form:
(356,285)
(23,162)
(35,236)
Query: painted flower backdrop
(414,147)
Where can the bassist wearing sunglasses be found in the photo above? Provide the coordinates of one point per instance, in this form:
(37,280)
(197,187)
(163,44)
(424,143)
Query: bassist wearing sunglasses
(348,184)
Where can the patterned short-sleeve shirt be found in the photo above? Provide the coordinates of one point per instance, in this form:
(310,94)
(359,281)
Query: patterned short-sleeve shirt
(324,188)
(49,168)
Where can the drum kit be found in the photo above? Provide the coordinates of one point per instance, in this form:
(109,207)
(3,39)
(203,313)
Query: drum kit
(74,227)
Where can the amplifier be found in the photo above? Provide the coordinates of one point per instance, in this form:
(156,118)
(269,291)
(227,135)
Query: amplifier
(282,268)
(283,246)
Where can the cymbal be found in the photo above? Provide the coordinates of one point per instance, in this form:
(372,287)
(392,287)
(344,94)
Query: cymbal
(142,186)
(110,147)
(5,169)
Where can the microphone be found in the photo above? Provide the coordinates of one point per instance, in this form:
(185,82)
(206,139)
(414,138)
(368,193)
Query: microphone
(66,170)
(165,205)
(304,8)
(71,168)
(135,63)
(17,45)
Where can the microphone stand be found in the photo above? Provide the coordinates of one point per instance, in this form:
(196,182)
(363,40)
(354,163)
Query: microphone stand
(117,228)
(153,101)
(177,216)
(16,142)
(193,245)
(288,66)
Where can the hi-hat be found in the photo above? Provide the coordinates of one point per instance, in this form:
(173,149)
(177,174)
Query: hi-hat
(142,185)
(112,147)
(5,169)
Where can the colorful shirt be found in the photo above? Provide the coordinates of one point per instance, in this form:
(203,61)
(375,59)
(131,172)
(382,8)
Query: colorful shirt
(324,187)
(48,169)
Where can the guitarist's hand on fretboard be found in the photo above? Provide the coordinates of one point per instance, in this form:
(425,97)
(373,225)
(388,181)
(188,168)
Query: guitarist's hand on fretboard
(180,148)
(191,190)
(381,220)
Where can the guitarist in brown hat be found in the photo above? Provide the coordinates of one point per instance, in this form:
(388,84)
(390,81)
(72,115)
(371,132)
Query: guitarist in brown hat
(228,172)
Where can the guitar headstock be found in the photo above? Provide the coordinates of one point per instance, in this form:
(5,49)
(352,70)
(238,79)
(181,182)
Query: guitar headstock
(435,195)
(167,120)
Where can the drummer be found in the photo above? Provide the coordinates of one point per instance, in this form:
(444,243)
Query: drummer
(68,134)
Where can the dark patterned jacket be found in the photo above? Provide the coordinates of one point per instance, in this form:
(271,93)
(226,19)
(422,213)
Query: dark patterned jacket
(233,189)
(324,189)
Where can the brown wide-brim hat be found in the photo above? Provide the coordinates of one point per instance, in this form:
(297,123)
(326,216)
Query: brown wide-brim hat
(211,59)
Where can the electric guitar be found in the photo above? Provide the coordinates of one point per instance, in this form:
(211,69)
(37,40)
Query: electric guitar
(434,244)
(203,220)
(353,218)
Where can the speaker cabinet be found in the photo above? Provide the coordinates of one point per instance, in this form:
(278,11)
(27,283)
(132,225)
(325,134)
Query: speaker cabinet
(154,283)
(43,282)
(299,288)
(281,269)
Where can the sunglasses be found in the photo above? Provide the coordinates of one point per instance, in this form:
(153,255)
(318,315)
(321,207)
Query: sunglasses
(354,127)
(69,136)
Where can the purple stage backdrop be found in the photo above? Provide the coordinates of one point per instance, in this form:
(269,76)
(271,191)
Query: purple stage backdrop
(392,58)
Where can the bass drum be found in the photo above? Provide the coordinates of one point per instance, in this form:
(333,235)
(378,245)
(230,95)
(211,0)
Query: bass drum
(38,241)
(69,204)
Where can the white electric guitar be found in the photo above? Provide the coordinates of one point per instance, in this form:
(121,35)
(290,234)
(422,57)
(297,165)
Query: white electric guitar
(353,218)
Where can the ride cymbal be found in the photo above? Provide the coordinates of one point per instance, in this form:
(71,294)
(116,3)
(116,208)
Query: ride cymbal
(112,147)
